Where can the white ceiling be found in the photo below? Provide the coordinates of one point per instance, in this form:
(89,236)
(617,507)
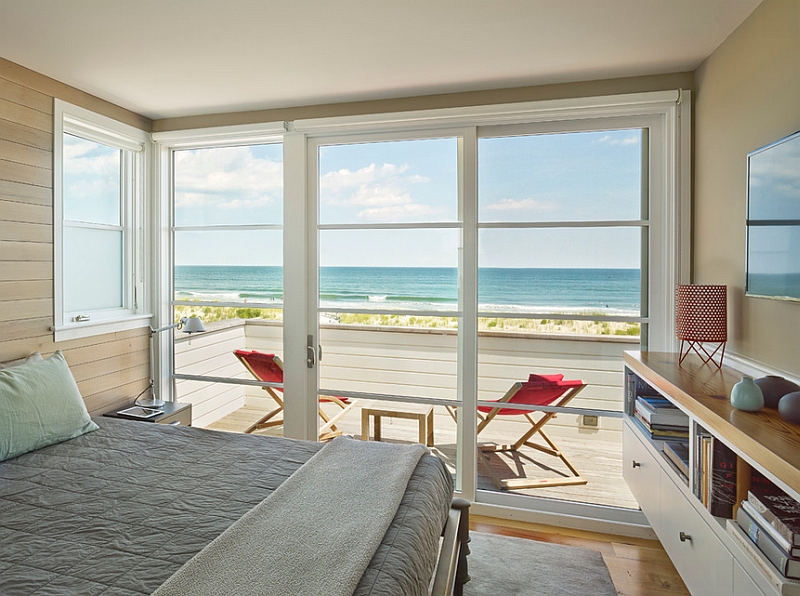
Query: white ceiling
(166,58)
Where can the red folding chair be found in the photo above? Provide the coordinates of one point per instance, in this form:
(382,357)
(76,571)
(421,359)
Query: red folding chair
(269,368)
(538,390)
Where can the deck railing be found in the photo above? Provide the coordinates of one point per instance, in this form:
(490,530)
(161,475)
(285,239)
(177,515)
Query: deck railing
(407,361)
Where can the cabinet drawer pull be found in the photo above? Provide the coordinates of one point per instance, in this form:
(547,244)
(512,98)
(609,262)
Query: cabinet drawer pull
(685,537)
(636,464)
(176,423)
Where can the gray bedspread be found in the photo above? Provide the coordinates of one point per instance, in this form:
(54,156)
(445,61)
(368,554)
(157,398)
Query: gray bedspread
(119,510)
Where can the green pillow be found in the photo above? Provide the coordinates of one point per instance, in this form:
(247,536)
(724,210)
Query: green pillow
(40,405)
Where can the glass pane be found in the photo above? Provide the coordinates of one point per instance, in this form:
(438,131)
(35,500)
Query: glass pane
(389,269)
(92,181)
(226,406)
(390,359)
(405,422)
(229,185)
(92,269)
(773,268)
(584,176)
(397,181)
(229,266)
(560,270)
(590,471)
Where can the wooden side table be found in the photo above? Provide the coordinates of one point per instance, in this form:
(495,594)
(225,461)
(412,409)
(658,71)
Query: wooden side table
(423,414)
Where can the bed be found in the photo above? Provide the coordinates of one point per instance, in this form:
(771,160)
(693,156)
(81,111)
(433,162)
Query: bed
(119,510)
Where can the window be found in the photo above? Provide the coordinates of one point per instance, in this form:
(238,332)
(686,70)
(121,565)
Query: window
(221,258)
(414,247)
(99,215)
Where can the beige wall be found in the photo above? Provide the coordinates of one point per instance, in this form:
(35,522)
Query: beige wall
(747,94)
(109,369)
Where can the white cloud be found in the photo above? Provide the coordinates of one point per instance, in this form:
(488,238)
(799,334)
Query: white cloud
(612,140)
(383,190)
(338,180)
(227,178)
(395,212)
(521,205)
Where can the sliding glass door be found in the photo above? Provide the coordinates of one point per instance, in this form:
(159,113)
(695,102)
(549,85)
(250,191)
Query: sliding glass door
(562,258)
(388,234)
(419,277)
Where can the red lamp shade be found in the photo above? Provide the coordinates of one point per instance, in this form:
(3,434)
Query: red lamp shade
(701,316)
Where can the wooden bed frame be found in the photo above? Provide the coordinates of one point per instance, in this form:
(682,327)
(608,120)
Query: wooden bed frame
(451,571)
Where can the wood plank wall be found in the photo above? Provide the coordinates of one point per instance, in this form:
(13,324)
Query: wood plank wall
(110,369)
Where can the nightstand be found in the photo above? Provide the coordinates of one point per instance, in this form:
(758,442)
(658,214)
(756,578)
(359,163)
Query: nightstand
(175,413)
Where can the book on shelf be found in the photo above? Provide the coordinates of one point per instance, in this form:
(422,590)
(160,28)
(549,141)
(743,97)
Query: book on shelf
(661,411)
(761,485)
(787,566)
(703,467)
(658,431)
(721,479)
(785,545)
(780,511)
(783,585)
(678,453)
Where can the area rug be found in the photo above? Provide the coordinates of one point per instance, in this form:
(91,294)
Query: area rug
(501,565)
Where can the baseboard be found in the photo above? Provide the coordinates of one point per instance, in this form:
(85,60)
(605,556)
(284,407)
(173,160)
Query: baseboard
(631,529)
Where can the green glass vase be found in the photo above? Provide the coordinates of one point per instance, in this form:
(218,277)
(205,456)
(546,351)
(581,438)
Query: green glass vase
(747,396)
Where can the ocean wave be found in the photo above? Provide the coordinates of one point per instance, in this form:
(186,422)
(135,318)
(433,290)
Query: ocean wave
(604,310)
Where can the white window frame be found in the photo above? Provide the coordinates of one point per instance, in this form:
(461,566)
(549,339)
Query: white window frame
(165,145)
(135,144)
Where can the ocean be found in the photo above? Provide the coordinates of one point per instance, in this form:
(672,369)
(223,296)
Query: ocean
(575,291)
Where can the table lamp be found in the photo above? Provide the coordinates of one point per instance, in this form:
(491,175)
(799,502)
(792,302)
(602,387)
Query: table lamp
(187,325)
(701,317)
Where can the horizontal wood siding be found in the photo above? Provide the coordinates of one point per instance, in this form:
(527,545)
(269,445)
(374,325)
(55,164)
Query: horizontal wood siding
(110,369)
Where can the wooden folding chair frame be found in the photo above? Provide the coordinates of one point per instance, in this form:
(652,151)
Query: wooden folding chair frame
(536,428)
(326,432)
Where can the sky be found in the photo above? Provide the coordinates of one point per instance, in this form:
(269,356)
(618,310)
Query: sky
(569,177)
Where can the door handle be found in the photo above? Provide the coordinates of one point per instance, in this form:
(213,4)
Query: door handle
(311,352)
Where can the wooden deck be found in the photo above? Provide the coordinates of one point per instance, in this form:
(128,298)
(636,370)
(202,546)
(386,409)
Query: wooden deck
(598,461)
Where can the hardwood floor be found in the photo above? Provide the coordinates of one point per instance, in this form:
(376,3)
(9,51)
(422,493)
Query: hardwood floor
(638,567)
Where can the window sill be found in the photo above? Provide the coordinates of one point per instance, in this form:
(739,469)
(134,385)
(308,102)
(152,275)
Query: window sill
(92,328)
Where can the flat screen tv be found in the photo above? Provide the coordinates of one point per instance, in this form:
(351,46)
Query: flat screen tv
(773,220)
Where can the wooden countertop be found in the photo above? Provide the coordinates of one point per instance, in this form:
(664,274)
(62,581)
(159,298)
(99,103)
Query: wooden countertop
(763,438)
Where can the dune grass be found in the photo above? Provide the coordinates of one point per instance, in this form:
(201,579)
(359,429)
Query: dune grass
(211,314)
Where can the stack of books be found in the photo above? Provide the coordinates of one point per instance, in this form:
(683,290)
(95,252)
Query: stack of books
(660,418)
(677,454)
(772,523)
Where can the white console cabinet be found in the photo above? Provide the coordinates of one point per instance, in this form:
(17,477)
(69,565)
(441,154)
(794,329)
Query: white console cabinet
(708,558)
